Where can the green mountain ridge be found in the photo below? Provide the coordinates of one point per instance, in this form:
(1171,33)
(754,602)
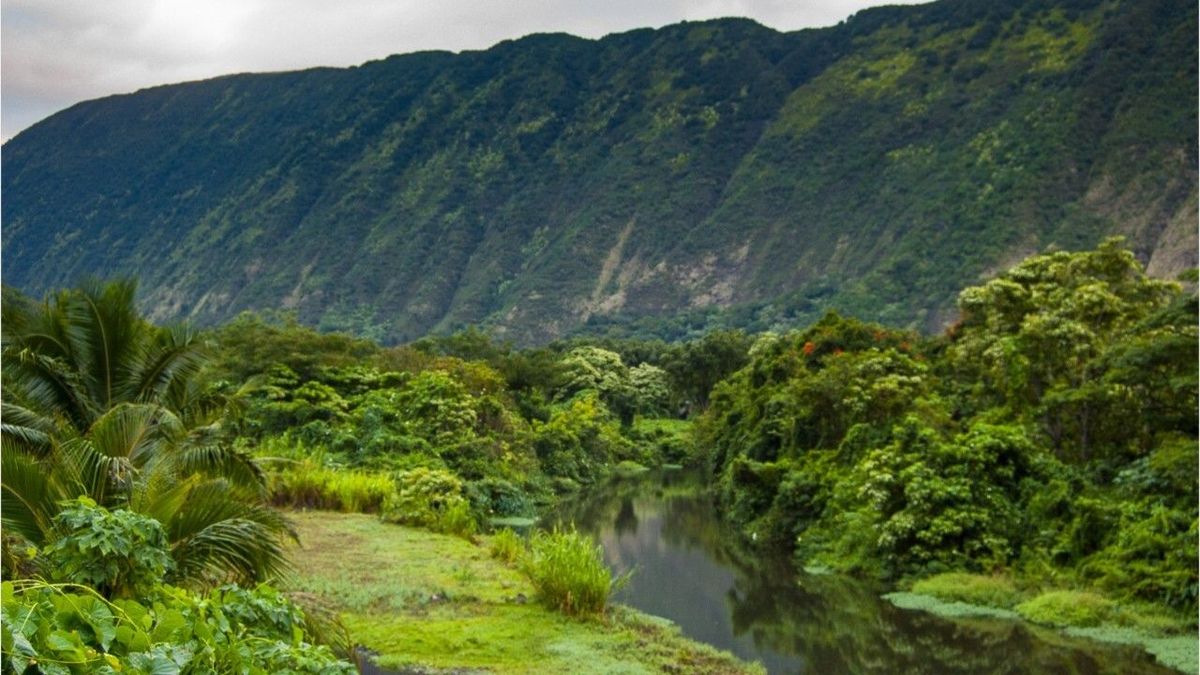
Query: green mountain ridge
(718,170)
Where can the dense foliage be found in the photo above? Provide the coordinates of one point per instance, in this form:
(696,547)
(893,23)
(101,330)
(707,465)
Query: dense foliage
(453,431)
(1048,439)
(111,613)
(118,477)
(745,177)
(100,403)
(60,629)
(1051,433)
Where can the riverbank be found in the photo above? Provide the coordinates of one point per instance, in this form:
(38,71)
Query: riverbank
(1071,613)
(427,601)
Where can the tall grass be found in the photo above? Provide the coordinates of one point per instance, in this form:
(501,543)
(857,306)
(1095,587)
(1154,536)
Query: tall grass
(569,573)
(458,521)
(307,484)
(507,546)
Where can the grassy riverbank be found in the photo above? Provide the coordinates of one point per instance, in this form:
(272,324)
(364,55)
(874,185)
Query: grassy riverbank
(438,602)
(1078,614)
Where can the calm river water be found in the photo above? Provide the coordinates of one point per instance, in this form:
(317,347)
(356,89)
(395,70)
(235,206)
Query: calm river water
(687,569)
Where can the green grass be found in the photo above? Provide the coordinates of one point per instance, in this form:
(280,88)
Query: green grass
(506,546)
(976,589)
(429,601)
(307,484)
(568,571)
(529,639)
(458,521)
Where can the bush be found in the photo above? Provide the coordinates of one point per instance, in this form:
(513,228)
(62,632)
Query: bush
(507,546)
(119,553)
(569,574)
(69,629)
(976,589)
(1068,608)
(1151,556)
(497,497)
(429,498)
(579,440)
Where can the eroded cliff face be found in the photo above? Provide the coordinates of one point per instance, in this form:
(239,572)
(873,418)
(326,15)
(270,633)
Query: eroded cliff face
(718,170)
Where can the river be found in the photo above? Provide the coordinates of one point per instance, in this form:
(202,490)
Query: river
(687,567)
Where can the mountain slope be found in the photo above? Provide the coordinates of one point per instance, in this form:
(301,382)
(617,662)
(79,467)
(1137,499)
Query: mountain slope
(552,182)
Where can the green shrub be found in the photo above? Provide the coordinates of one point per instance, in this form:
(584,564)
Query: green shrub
(495,497)
(1151,556)
(423,498)
(507,546)
(976,589)
(70,629)
(569,573)
(119,553)
(1068,608)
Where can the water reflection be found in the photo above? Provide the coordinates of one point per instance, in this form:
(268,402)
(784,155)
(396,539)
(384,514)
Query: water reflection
(758,607)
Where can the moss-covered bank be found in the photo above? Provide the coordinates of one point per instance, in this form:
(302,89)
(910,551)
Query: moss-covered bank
(425,600)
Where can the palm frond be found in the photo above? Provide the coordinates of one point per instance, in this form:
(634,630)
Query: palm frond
(216,536)
(237,467)
(137,431)
(83,470)
(104,331)
(22,428)
(170,357)
(29,495)
(47,384)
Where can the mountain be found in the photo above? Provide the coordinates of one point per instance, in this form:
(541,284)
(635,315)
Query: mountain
(720,170)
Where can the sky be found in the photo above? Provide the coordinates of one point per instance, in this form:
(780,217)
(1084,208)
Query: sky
(54,53)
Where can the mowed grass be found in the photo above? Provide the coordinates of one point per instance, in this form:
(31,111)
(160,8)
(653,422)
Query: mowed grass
(426,600)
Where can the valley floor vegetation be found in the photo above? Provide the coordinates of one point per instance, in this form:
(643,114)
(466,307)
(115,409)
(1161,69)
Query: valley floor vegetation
(493,606)
(1040,457)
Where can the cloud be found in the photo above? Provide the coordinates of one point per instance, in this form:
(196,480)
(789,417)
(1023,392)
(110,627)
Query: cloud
(58,52)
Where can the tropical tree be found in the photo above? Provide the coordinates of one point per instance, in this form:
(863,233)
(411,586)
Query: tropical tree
(1072,341)
(98,402)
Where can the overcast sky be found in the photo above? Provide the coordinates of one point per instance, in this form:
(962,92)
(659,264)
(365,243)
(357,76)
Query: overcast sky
(58,52)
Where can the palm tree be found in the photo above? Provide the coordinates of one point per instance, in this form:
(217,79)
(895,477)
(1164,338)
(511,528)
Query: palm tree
(98,402)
